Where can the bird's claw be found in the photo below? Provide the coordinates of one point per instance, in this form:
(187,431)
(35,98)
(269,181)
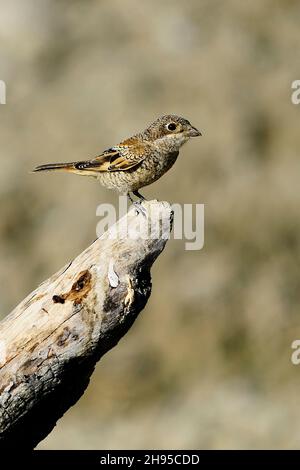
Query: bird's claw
(139,208)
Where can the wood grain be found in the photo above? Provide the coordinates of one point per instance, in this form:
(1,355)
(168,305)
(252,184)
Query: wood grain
(51,341)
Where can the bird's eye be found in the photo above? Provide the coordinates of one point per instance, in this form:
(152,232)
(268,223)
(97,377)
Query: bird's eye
(171,126)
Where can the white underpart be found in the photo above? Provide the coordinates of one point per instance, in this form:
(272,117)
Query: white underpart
(174,140)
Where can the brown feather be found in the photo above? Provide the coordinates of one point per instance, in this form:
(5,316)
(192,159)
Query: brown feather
(109,161)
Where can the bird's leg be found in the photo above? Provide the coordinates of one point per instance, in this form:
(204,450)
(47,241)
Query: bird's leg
(130,198)
(139,195)
(139,208)
(137,204)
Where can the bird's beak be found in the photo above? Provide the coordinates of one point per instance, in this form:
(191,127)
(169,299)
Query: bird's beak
(193,132)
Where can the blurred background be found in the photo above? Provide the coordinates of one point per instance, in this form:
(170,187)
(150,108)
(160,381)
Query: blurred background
(208,362)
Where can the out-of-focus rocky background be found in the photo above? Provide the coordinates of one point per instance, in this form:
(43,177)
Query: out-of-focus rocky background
(207,364)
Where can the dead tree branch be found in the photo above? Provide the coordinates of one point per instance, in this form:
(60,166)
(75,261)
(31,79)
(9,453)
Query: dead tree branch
(50,343)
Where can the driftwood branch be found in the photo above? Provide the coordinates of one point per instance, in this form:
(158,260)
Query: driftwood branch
(50,343)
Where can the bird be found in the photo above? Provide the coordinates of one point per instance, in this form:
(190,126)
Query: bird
(137,161)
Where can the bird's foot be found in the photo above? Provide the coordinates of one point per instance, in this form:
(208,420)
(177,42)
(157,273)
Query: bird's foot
(139,208)
(139,195)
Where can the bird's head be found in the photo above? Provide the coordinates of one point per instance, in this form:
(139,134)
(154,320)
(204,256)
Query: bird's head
(171,131)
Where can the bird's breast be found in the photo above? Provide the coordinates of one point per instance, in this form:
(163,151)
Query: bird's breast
(156,165)
(151,169)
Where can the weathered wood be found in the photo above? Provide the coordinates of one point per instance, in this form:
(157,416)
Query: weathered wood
(50,343)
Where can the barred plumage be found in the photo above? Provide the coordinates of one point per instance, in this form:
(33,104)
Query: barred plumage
(138,161)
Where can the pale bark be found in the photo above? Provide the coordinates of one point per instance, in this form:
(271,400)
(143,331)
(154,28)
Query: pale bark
(50,343)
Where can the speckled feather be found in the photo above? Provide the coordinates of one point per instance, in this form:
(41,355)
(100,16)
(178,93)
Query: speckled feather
(138,161)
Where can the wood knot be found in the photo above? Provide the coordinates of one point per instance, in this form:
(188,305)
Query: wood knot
(82,281)
(57,299)
(79,289)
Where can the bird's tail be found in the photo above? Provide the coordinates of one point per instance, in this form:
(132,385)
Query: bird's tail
(55,167)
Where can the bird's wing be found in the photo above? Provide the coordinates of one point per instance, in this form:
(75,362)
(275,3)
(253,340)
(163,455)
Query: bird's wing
(123,157)
(129,154)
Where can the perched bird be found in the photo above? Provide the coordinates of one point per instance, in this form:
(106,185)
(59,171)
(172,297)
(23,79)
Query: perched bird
(138,161)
